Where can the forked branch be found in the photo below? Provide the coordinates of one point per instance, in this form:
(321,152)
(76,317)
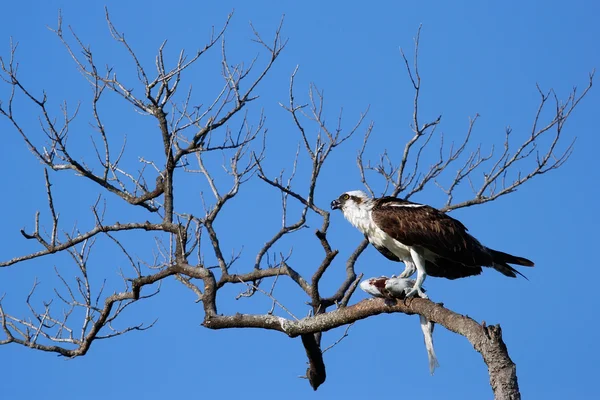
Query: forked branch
(190,133)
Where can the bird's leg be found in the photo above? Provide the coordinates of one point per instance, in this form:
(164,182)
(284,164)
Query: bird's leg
(419,262)
(409,269)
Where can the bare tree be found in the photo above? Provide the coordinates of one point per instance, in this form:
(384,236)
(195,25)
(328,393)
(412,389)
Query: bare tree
(189,135)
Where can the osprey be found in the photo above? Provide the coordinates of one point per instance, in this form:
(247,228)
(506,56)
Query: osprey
(425,239)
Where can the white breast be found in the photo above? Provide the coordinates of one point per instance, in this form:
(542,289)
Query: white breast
(380,238)
(362,220)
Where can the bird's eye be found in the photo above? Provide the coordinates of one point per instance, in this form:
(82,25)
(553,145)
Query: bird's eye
(346,196)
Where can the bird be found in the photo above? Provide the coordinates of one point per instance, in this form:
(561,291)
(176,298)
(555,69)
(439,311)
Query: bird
(425,239)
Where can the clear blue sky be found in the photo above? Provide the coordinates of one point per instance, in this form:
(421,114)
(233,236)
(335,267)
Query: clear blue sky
(477,57)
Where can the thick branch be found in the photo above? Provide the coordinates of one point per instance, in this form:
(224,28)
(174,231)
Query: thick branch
(486,340)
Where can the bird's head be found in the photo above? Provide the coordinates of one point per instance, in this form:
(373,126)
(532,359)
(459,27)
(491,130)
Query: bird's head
(354,198)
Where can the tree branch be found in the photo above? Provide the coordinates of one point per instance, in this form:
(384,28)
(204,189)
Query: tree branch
(487,340)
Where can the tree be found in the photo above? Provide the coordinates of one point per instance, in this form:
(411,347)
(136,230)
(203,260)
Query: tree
(193,140)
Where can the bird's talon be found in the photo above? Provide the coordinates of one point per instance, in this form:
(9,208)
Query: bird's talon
(416,292)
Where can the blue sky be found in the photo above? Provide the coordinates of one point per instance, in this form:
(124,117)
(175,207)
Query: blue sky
(476,57)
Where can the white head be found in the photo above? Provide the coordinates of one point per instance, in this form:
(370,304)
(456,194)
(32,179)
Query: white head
(356,206)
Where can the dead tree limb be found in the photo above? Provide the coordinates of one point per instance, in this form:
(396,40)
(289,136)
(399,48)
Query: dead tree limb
(188,132)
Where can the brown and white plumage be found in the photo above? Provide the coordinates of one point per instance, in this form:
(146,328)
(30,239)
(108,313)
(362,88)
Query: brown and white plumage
(425,239)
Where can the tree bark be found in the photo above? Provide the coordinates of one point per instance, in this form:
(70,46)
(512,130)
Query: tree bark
(487,340)
(315,373)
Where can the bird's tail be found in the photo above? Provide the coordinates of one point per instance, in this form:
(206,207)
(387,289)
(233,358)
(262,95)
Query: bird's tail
(501,261)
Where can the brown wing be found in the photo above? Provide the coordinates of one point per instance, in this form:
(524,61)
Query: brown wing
(420,225)
(445,268)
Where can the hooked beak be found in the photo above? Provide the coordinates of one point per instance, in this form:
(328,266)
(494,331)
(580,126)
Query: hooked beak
(336,205)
